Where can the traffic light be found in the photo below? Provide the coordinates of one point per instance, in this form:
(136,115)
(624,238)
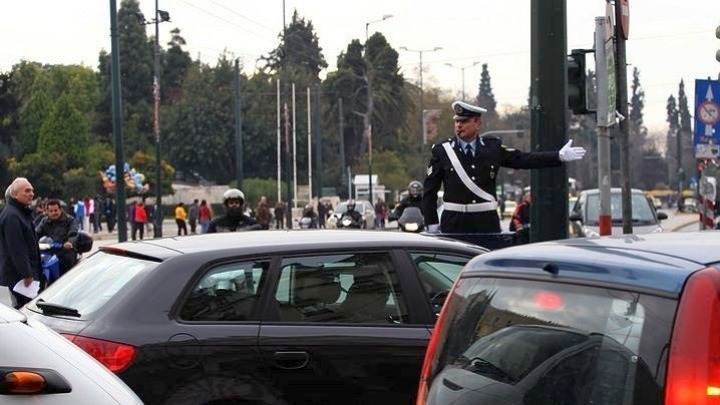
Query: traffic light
(577,82)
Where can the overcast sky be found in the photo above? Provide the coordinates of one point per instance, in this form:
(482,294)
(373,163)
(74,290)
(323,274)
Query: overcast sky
(669,40)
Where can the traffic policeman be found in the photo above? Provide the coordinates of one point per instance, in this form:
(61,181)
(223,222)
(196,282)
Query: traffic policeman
(467,166)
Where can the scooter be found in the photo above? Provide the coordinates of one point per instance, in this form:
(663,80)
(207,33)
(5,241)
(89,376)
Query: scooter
(308,222)
(348,221)
(49,260)
(411,220)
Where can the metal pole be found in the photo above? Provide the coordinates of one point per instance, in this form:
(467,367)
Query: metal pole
(238,130)
(158,179)
(309,119)
(318,142)
(603,139)
(549,107)
(117,120)
(279,164)
(622,103)
(422,102)
(294,148)
(462,70)
(341,134)
(288,178)
(368,116)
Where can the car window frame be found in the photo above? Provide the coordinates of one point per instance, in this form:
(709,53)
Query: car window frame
(416,318)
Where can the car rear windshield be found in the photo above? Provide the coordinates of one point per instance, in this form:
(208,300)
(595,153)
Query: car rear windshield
(533,342)
(642,212)
(94,282)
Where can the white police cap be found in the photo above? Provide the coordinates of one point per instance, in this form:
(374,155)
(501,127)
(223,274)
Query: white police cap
(464,110)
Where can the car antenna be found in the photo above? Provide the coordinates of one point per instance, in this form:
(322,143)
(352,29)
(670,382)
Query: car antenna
(551,268)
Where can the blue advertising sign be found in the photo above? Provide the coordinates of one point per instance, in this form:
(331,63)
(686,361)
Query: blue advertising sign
(707,119)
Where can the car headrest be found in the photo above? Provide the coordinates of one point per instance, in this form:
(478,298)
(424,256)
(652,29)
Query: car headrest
(312,286)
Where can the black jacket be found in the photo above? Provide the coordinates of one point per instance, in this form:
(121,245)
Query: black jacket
(490,156)
(19,253)
(227,223)
(406,202)
(63,229)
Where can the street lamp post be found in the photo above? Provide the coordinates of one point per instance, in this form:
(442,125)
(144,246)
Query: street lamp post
(422,102)
(462,70)
(160,16)
(368,113)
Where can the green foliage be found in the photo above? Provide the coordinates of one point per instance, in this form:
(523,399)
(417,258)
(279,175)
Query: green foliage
(485,97)
(254,188)
(31,121)
(145,164)
(65,131)
(44,171)
(80,182)
(175,64)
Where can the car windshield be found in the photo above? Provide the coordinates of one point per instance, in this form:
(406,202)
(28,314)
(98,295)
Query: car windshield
(94,282)
(642,212)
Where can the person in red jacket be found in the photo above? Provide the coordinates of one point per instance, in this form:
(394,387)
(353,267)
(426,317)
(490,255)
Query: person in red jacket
(140,220)
(520,222)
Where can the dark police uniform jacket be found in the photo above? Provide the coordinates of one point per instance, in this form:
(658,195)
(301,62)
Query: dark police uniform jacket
(482,168)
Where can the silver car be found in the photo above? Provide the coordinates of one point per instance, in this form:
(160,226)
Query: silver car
(41,367)
(585,215)
(363,207)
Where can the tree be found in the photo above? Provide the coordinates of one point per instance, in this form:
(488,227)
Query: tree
(31,120)
(65,131)
(638,135)
(486,98)
(673,120)
(175,64)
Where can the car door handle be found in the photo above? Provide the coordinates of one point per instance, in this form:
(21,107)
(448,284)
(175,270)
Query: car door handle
(291,360)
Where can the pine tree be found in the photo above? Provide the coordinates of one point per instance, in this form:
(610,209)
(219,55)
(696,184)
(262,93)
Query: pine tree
(638,132)
(65,131)
(685,132)
(486,98)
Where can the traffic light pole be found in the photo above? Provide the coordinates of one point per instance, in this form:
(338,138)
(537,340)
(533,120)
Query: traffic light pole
(622,106)
(549,125)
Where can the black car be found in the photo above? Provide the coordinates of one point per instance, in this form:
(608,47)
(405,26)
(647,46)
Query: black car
(260,317)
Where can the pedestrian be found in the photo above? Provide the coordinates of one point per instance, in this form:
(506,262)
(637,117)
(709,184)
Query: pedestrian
(467,165)
(180,216)
(520,221)
(19,253)
(90,205)
(38,213)
(131,219)
(380,208)
(140,218)
(86,218)
(262,213)
(321,212)
(109,207)
(99,209)
(193,215)
(235,218)
(61,228)
(279,214)
(80,213)
(205,216)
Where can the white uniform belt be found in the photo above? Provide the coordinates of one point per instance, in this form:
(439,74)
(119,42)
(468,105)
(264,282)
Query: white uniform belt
(481,207)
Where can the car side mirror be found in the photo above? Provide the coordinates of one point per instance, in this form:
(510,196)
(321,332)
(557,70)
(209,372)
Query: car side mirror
(661,216)
(576,216)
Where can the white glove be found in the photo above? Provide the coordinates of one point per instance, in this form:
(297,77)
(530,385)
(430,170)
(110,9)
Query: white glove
(569,153)
(434,228)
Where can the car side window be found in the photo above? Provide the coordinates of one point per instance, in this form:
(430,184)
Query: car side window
(343,288)
(226,293)
(437,274)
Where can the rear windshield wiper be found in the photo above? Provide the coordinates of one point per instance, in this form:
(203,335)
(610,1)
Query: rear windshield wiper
(49,308)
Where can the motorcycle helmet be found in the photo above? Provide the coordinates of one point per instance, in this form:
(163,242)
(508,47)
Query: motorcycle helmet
(233,194)
(351,205)
(308,209)
(415,188)
(84,242)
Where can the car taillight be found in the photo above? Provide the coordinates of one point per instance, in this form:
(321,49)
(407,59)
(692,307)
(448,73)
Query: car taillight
(693,375)
(424,385)
(115,356)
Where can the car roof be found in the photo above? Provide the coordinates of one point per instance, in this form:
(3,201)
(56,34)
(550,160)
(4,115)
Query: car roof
(612,190)
(659,262)
(274,240)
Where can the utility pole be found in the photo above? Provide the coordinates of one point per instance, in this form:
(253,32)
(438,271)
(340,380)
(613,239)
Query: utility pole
(548,108)
(462,70)
(605,119)
(238,130)
(288,177)
(117,119)
(318,141)
(341,134)
(422,102)
(622,104)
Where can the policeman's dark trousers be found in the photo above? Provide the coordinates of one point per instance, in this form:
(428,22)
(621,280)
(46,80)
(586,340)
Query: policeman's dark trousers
(470,222)
(18,300)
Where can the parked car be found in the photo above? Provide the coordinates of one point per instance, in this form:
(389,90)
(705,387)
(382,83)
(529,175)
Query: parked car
(39,366)
(509,210)
(363,207)
(616,320)
(329,316)
(585,216)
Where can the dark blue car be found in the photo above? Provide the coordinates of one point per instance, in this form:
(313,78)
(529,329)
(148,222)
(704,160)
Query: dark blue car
(620,320)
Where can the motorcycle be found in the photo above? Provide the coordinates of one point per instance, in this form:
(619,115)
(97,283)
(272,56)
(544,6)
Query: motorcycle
(348,221)
(307,222)
(411,220)
(49,260)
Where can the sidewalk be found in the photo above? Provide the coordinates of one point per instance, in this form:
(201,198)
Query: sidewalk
(169,229)
(677,220)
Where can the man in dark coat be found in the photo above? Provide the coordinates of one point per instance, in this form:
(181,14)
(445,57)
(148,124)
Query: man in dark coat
(61,228)
(467,166)
(19,253)
(235,218)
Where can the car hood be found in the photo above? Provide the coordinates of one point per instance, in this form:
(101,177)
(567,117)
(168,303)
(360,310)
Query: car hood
(618,230)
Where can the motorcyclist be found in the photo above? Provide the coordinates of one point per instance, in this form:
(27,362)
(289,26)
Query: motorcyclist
(309,212)
(413,199)
(61,228)
(356,216)
(235,218)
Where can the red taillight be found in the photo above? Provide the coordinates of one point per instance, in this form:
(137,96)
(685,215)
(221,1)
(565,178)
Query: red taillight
(549,301)
(115,356)
(430,352)
(693,375)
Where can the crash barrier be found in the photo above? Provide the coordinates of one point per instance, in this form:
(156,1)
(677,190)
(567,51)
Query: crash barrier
(492,241)
(707,212)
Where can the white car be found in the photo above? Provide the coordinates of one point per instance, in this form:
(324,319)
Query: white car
(39,366)
(363,207)
(584,218)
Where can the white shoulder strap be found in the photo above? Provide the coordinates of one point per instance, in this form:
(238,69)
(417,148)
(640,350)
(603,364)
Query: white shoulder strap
(463,175)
